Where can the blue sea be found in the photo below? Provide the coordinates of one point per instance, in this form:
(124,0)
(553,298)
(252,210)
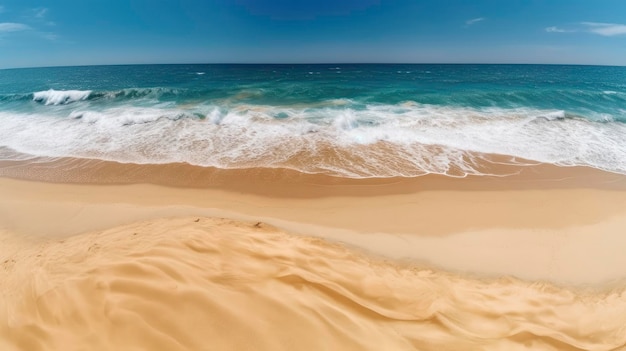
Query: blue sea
(345,120)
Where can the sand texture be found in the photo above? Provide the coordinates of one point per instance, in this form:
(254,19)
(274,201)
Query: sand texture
(216,284)
(572,237)
(130,257)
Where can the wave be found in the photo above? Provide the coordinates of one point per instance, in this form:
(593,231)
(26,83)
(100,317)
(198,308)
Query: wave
(137,93)
(408,139)
(15,97)
(60,97)
(54,97)
(596,105)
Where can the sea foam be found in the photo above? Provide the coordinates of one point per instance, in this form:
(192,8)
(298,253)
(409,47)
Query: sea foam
(407,139)
(60,97)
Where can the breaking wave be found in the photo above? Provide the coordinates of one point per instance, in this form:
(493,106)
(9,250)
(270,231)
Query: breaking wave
(336,137)
(60,97)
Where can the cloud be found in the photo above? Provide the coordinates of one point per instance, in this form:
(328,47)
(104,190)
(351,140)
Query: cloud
(40,12)
(557,30)
(1,9)
(605,29)
(12,27)
(35,19)
(9,27)
(474,20)
(40,16)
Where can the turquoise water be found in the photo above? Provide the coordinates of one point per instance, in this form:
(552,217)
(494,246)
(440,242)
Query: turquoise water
(345,120)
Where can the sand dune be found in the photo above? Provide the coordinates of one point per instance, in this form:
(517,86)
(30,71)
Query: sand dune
(217,284)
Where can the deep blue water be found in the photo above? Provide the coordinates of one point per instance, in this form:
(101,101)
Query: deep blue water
(346,120)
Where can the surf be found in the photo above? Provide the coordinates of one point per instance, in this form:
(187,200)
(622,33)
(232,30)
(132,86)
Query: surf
(407,139)
(60,97)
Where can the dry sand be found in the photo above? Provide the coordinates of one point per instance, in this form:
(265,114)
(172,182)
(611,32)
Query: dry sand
(523,263)
(216,284)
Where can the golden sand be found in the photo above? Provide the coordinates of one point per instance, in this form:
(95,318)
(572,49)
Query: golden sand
(217,284)
(528,262)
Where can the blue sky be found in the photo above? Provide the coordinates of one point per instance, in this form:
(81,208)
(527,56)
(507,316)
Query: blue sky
(73,32)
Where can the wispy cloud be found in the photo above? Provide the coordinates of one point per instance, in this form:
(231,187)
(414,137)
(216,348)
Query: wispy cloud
(12,27)
(40,12)
(605,29)
(557,30)
(474,20)
(40,16)
(33,20)
(1,9)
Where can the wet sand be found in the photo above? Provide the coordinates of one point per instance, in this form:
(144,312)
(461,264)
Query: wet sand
(266,259)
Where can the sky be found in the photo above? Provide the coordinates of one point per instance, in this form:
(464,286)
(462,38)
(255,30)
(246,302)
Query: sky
(89,32)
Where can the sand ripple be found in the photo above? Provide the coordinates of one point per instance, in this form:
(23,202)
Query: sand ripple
(216,284)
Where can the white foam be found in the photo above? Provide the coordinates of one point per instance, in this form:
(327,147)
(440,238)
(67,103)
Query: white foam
(346,120)
(407,139)
(215,116)
(60,97)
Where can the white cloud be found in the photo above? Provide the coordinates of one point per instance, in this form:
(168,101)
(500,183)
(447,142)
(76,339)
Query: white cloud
(474,20)
(12,27)
(40,12)
(605,29)
(36,18)
(557,30)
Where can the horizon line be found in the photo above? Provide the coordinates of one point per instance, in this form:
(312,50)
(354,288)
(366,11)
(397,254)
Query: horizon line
(319,63)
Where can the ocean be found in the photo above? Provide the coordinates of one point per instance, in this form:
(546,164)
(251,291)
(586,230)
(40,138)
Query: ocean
(344,120)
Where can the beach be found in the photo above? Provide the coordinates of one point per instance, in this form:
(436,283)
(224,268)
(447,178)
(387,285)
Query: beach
(198,258)
(313,206)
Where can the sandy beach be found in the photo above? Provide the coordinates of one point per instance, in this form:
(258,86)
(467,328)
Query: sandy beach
(275,175)
(232,260)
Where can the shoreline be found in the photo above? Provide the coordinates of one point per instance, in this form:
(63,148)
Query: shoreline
(505,175)
(545,223)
